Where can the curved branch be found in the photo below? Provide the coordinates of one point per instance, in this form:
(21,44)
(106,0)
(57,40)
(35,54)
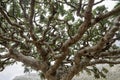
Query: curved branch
(69,4)
(69,42)
(84,26)
(106,15)
(8,19)
(109,35)
(29,61)
(78,63)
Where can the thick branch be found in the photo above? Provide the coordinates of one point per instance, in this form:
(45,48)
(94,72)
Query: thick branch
(82,28)
(76,38)
(29,61)
(109,35)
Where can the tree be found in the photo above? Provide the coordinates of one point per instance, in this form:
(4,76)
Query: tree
(60,38)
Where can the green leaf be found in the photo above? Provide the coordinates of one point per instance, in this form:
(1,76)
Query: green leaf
(111,65)
(88,71)
(118,36)
(102,74)
(26,70)
(42,18)
(61,10)
(69,17)
(99,10)
(105,70)
(2,49)
(96,76)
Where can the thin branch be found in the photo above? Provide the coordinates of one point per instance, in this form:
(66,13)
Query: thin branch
(9,39)
(109,35)
(69,4)
(102,61)
(2,28)
(83,27)
(44,33)
(32,11)
(110,53)
(50,49)
(112,57)
(8,19)
(68,30)
(75,38)
(98,2)
(35,21)
(95,3)
(106,15)
(23,9)
(4,56)
(79,7)
(31,17)
(2,63)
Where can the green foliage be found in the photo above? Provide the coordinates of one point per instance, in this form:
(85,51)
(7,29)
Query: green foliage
(69,16)
(98,73)
(104,70)
(26,70)
(54,22)
(117,4)
(100,10)
(42,76)
(118,36)
(14,10)
(61,10)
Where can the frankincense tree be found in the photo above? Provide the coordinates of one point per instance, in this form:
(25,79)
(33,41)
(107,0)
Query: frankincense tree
(60,38)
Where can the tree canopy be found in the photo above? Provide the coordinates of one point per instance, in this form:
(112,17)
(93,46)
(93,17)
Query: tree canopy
(59,38)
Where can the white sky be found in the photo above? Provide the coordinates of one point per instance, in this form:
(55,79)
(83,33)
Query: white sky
(108,3)
(11,71)
(15,70)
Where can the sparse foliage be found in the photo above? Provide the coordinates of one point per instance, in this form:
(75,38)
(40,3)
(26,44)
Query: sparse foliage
(59,38)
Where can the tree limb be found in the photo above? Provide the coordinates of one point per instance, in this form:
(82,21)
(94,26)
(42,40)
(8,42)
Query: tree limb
(8,19)
(29,61)
(32,11)
(106,15)
(102,61)
(69,42)
(109,35)
(110,53)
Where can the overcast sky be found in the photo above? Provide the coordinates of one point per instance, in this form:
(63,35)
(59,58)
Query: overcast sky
(15,70)
(11,71)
